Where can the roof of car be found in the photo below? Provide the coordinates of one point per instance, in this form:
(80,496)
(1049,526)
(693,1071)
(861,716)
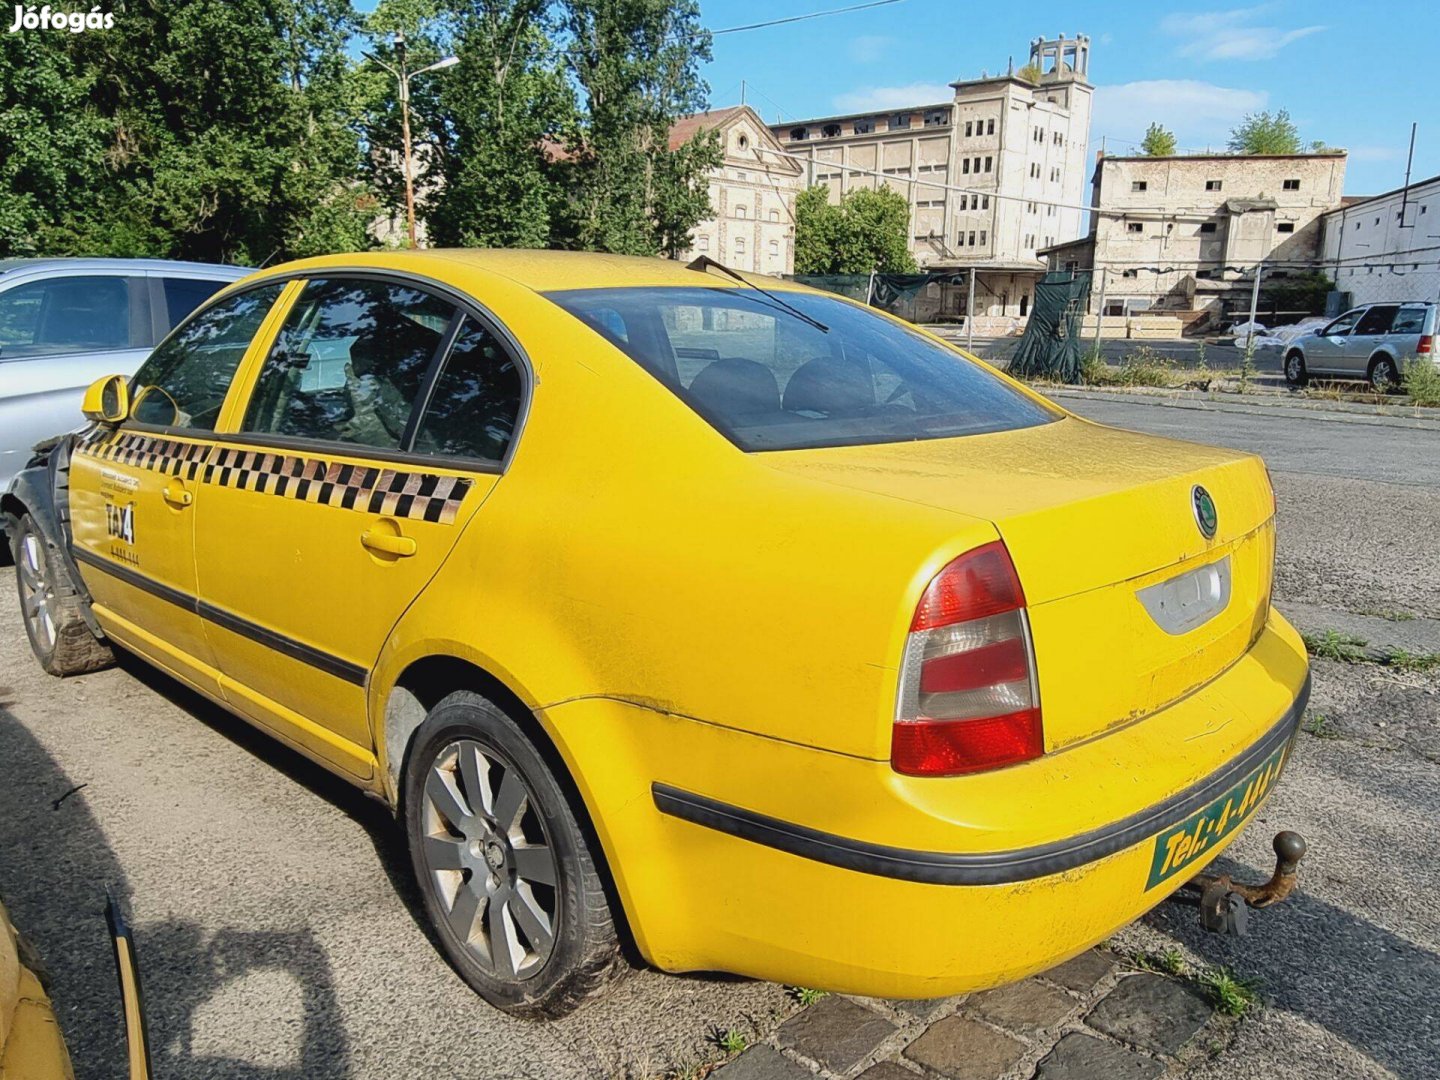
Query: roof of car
(543,271)
(129,266)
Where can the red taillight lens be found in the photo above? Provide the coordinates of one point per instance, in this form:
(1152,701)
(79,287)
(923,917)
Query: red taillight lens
(968,699)
(1427,342)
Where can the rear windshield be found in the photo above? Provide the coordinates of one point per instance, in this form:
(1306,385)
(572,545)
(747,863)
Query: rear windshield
(770,380)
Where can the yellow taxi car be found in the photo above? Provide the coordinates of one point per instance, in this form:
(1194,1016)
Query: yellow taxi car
(711,612)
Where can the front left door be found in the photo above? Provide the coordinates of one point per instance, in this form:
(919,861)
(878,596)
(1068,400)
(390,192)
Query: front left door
(135,489)
(1326,352)
(336,508)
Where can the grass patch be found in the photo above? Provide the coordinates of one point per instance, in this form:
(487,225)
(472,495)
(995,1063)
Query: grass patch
(1387,614)
(806,996)
(1333,645)
(1401,660)
(1169,962)
(1141,367)
(730,1041)
(1228,992)
(1420,379)
(1321,726)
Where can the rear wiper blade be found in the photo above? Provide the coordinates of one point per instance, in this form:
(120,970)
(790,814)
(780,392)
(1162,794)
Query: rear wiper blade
(704,262)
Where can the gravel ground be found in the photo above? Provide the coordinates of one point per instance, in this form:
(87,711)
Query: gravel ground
(279,937)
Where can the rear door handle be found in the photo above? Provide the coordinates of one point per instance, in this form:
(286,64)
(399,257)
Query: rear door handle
(176,496)
(388,543)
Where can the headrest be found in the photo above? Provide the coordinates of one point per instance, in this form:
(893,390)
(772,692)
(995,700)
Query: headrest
(831,386)
(736,387)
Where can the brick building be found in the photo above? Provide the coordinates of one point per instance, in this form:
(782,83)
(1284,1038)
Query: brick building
(1182,234)
(752,194)
(992,175)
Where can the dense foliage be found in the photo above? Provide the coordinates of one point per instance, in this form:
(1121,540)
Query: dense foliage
(867,230)
(1158,142)
(247,131)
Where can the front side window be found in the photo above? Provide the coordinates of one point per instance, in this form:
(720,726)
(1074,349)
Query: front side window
(185,381)
(348,364)
(476,401)
(65,315)
(770,380)
(1344,324)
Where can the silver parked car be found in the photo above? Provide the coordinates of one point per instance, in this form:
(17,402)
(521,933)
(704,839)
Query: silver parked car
(66,322)
(1371,342)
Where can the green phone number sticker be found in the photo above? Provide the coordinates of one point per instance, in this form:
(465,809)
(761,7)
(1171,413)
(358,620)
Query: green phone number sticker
(1182,845)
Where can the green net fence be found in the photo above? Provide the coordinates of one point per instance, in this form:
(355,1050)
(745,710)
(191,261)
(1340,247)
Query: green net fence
(1051,346)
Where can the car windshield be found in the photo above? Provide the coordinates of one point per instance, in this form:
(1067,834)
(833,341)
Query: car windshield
(770,380)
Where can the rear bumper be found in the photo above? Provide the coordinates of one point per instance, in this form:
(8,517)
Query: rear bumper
(987,868)
(781,862)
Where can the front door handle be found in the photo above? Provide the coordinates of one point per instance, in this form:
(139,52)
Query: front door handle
(388,543)
(176,495)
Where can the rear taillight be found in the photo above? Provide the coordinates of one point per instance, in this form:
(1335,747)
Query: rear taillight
(968,699)
(1427,342)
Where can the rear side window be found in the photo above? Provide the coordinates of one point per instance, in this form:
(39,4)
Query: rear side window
(185,381)
(770,379)
(65,315)
(1409,320)
(476,400)
(349,362)
(1377,320)
(184,295)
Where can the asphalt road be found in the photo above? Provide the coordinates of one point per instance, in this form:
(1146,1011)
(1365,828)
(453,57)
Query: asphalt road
(279,937)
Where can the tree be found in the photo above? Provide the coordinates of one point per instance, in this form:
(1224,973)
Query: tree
(1266,133)
(637,66)
(1158,142)
(867,231)
(504,104)
(232,137)
(52,144)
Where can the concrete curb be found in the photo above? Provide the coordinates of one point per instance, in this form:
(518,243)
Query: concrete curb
(1383,637)
(1205,401)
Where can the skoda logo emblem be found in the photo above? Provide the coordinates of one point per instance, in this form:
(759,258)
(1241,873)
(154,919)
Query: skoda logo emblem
(1205,516)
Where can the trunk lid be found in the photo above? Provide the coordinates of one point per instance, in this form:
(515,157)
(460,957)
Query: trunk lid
(1131,606)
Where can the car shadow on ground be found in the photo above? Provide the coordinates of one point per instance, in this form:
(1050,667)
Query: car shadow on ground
(1331,967)
(55,867)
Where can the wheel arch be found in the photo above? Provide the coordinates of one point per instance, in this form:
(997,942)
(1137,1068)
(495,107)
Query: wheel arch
(427,680)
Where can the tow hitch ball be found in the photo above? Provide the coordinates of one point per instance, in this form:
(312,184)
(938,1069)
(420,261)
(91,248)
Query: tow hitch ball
(1225,904)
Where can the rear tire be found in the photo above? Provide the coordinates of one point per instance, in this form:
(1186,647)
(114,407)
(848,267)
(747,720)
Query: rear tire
(52,610)
(1384,376)
(508,878)
(1295,373)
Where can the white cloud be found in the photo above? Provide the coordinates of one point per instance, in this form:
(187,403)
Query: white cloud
(1199,113)
(870,98)
(1231,35)
(1376,153)
(868,48)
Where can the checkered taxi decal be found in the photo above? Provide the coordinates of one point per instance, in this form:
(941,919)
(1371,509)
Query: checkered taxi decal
(396,493)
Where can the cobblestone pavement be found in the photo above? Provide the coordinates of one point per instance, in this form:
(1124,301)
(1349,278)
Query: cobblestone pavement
(1092,1018)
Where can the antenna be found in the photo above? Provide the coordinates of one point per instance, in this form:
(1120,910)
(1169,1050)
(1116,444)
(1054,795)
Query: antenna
(1405,193)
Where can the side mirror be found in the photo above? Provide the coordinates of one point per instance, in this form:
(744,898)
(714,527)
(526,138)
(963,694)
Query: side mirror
(107,400)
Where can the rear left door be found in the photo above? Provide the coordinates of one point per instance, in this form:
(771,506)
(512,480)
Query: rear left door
(1368,337)
(337,501)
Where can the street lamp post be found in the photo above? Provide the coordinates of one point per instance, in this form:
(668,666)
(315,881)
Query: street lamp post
(403,77)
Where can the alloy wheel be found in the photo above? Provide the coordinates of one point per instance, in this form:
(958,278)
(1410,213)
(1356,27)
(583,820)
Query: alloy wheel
(37,597)
(490,860)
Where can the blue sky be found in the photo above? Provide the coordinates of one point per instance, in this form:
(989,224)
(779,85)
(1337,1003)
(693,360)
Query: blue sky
(1340,69)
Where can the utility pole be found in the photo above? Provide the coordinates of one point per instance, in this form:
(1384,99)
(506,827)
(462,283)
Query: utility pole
(403,77)
(405,134)
(970,315)
(1100,311)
